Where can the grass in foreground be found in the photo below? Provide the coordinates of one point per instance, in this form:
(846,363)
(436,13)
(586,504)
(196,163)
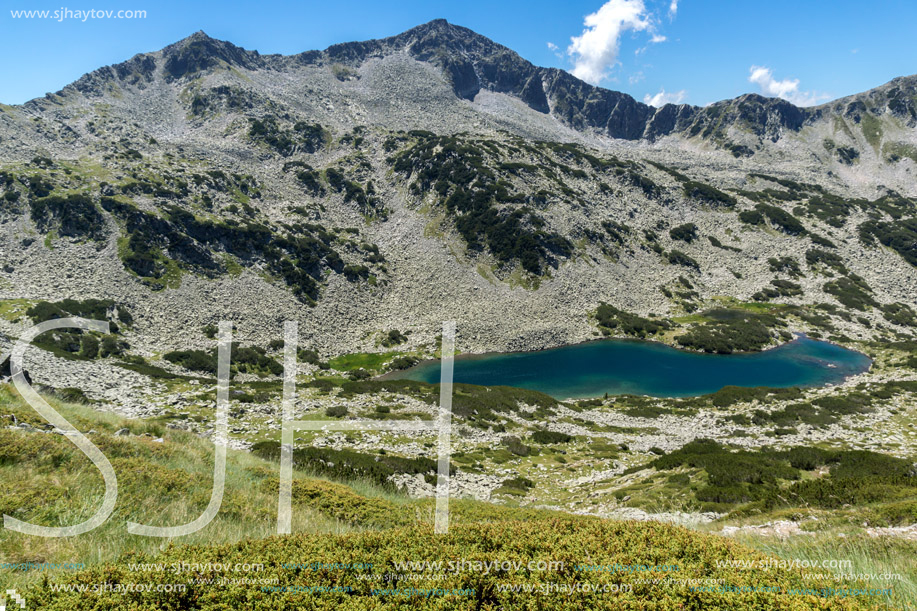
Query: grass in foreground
(44,479)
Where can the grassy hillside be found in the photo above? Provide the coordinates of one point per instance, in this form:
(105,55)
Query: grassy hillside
(356,532)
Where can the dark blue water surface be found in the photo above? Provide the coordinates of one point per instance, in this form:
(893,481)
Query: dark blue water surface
(649,368)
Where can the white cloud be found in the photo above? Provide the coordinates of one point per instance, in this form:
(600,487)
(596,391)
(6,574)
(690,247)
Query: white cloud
(635,78)
(552,46)
(596,49)
(658,38)
(788,89)
(673,8)
(662,98)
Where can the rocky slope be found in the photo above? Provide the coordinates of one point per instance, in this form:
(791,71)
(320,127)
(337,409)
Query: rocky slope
(396,183)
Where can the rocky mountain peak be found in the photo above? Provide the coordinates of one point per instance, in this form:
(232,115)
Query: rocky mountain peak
(199,52)
(472,63)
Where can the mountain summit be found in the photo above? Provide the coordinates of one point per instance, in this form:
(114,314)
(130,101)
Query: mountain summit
(471,63)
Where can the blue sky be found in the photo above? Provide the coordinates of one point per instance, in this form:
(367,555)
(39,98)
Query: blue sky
(702,51)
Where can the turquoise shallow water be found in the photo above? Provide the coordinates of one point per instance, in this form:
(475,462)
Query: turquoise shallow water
(649,368)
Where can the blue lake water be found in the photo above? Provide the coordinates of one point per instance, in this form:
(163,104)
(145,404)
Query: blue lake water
(649,368)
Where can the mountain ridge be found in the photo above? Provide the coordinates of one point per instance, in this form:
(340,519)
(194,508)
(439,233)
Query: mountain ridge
(472,63)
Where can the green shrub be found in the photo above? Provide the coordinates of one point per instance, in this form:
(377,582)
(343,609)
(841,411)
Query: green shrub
(301,137)
(299,253)
(195,360)
(352,465)
(899,235)
(515,445)
(852,292)
(89,346)
(751,217)
(611,318)
(899,314)
(782,219)
(730,395)
(730,331)
(734,477)
(403,362)
(251,359)
(393,338)
(820,240)
(304,355)
(548,437)
(685,233)
(336,411)
(617,231)
(355,272)
(717,244)
(676,257)
(699,190)
(93,309)
(816,256)
(74,215)
(786,265)
(111,347)
(780,288)
(72,395)
(517,486)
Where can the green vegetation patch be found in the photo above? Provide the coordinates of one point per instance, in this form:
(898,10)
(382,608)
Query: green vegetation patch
(612,320)
(900,314)
(852,291)
(779,218)
(896,151)
(706,193)
(300,253)
(244,359)
(832,209)
(352,465)
(677,257)
(767,479)
(816,257)
(778,288)
(900,236)
(481,405)
(74,215)
(301,137)
(549,437)
(785,265)
(685,233)
(487,212)
(362,360)
(78,344)
(731,330)
(365,198)
(584,546)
